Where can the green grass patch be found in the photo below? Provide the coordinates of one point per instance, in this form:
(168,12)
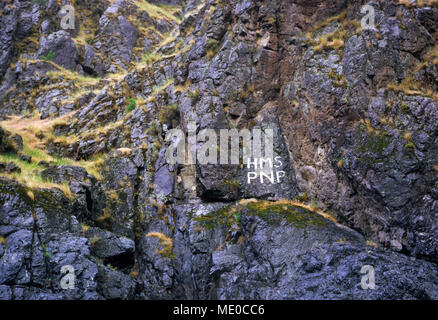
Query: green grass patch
(131,106)
(49,57)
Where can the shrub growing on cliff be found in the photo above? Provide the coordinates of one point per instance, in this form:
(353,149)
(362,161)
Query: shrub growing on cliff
(132,105)
(49,57)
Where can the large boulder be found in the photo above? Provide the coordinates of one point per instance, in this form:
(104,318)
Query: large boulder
(59,48)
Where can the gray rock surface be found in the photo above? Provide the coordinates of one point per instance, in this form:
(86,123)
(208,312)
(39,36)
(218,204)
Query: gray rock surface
(61,47)
(355,120)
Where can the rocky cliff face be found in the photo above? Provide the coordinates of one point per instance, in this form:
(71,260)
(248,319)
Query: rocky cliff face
(91,209)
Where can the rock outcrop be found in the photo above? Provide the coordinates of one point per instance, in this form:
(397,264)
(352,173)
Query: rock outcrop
(86,118)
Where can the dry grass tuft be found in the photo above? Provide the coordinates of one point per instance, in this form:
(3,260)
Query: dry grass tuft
(29,129)
(334,40)
(166,243)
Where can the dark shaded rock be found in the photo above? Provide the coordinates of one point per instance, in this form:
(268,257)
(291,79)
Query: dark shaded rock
(113,250)
(276,251)
(11,167)
(25,158)
(44,164)
(115,285)
(10,143)
(59,174)
(122,179)
(8,26)
(355,126)
(91,63)
(89,198)
(119,47)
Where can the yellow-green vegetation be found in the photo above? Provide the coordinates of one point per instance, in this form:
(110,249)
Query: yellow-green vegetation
(29,129)
(375,141)
(295,212)
(234,183)
(30,175)
(85,229)
(125,151)
(166,12)
(409,144)
(405,108)
(86,33)
(197,9)
(212,48)
(150,58)
(102,130)
(49,57)
(432,56)
(338,81)
(423,3)
(29,44)
(106,219)
(195,94)
(134,272)
(2,240)
(72,76)
(166,244)
(94,240)
(168,113)
(113,196)
(429,59)
(333,40)
(411,86)
(371,243)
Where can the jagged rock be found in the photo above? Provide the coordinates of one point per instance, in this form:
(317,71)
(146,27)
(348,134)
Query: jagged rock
(278,253)
(59,48)
(89,198)
(164,179)
(91,62)
(115,285)
(49,102)
(122,178)
(355,124)
(59,174)
(25,158)
(10,143)
(113,250)
(51,242)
